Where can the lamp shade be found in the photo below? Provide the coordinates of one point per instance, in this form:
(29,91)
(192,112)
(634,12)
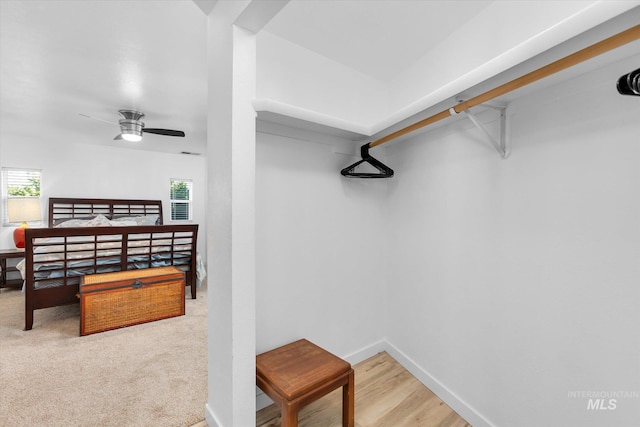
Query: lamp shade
(23,209)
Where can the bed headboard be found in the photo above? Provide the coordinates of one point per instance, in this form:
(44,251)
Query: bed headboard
(60,208)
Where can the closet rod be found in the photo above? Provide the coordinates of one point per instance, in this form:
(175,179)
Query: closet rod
(596,49)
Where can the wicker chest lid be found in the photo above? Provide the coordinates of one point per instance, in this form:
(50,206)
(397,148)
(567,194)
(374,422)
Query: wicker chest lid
(118,276)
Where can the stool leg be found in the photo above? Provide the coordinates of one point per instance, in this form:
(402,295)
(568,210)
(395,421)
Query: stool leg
(289,414)
(348,400)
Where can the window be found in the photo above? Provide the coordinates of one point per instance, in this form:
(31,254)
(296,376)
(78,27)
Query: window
(19,183)
(181,200)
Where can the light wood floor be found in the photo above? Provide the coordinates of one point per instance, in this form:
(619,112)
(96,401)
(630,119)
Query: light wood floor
(386,395)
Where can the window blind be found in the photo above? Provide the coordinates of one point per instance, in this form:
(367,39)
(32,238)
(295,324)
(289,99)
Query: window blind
(181,192)
(19,183)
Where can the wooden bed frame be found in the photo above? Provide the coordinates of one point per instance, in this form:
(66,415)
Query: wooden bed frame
(88,245)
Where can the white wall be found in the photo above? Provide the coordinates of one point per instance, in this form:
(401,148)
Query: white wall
(76,169)
(320,252)
(515,282)
(299,77)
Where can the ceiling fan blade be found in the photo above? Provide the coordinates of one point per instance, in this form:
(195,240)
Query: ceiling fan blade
(96,118)
(167,132)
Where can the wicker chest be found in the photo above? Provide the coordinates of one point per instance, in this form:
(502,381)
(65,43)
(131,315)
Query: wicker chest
(124,298)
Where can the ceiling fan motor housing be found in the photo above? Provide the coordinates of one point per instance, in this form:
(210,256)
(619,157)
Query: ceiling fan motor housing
(131,114)
(130,124)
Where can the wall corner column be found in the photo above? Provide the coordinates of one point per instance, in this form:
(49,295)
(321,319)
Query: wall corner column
(231,140)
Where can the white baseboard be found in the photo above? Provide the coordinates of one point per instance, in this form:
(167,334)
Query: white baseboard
(262,400)
(210,417)
(447,396)
(456,403)
(366,352)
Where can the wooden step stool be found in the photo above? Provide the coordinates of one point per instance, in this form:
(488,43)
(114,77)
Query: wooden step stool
(301,372)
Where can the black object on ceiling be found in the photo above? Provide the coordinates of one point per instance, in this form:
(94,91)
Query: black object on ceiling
(629,84)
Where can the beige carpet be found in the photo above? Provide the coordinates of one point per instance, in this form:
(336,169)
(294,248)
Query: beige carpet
(154,374)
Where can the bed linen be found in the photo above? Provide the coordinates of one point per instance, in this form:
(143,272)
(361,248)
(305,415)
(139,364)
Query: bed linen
(52,260)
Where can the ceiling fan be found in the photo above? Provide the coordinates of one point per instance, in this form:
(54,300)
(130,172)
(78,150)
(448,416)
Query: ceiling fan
(132,126)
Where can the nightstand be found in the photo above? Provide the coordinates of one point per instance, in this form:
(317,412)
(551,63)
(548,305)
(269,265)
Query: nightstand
(4,255)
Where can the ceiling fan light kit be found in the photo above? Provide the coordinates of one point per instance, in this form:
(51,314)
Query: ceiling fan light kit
(132,136)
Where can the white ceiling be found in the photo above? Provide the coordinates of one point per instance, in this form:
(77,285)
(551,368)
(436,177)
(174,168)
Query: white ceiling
(60,59)
(64,58)
(377,38)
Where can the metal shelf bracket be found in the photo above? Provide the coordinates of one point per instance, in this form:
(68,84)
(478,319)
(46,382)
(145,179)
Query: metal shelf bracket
(500,143)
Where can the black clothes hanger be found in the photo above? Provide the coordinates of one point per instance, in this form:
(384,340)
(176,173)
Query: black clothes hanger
(384,170)
(629,86)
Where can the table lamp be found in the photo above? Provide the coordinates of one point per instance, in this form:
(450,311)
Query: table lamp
(22,209)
